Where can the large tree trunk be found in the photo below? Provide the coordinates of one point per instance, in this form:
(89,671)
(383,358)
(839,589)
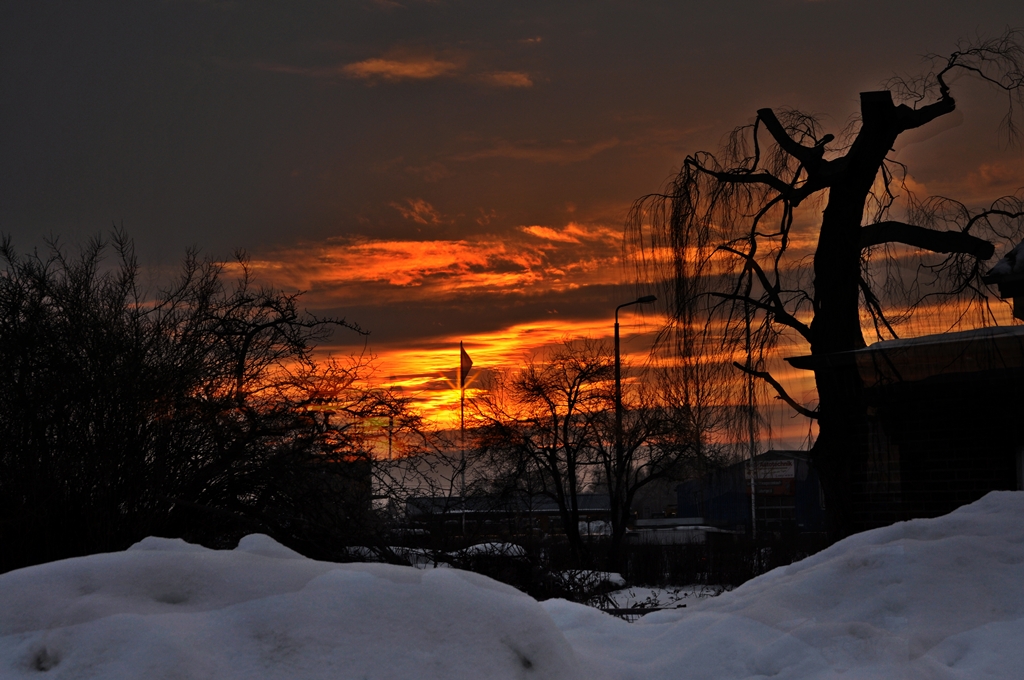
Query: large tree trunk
(836,326)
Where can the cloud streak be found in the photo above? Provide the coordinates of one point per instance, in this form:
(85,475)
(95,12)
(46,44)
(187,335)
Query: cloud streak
(574,233)
(400,65)
(541,260)
(393,70)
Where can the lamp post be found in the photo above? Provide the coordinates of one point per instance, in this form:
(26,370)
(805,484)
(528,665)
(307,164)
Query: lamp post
(618,374)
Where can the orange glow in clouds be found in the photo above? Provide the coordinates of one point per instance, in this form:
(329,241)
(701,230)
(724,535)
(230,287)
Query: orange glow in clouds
(533,260)
(536,260)
(427,373)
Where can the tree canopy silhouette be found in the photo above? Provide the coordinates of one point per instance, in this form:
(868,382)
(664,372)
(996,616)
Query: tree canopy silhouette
(199,412)
(736,247)
(549,430)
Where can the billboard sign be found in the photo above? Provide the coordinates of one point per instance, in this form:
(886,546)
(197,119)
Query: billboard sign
(772,477)
(771,469)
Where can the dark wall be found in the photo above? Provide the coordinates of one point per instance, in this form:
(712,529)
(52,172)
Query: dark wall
(951,439)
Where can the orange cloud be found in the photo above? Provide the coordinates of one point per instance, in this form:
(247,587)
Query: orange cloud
(574,233)
(535,260)
(339,270)
(462,264)
(999,177)
(427,374)
(402,65)
(405,68)
(550,234)
(375,69)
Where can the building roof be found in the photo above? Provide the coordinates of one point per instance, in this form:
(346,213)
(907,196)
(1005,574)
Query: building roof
(982,349)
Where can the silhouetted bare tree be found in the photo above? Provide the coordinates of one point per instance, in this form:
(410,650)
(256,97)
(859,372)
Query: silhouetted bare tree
(722,240)
(658,443)
(540,423)
(199,412)
(549,429)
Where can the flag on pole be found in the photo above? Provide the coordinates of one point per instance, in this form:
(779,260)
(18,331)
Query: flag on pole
(465,364)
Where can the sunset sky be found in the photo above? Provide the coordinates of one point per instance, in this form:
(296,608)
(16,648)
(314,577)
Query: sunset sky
(438,171)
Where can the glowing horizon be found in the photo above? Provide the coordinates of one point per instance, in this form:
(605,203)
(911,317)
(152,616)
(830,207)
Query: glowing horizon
(427,374)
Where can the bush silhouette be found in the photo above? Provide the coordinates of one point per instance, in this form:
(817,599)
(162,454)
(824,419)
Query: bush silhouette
(190,413)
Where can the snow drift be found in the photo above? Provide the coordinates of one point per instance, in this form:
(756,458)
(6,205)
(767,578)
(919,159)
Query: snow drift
(167,609)
(937,598)
(941,598)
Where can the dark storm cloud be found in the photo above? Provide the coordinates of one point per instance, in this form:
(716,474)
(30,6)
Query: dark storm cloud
(266,125)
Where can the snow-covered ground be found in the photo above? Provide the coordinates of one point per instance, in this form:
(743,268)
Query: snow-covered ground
(940,598)
(656,598)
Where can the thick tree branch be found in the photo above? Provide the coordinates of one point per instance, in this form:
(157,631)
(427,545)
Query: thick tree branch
(742,178)
(820,172)
(810,156)
(928,239)
(908,118)
(779,389)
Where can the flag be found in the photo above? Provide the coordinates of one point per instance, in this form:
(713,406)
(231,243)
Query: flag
(465,364)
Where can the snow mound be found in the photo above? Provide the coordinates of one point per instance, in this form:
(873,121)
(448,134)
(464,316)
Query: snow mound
(166,609)
(936,598)
(940,598)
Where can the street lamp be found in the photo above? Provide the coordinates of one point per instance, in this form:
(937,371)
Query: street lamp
(618,374)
